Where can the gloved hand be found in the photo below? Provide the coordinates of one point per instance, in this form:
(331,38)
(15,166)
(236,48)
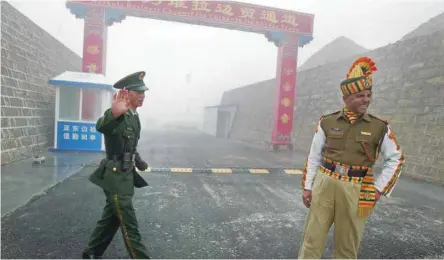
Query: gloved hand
(140,164)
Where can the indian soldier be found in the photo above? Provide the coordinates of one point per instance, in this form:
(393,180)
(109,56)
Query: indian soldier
(116,174)
(338,181)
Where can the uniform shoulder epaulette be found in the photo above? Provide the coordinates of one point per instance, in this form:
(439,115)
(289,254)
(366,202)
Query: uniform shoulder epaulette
(380,119)
(330,114)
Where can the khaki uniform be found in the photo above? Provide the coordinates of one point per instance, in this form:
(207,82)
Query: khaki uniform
(339,174)
(344,141)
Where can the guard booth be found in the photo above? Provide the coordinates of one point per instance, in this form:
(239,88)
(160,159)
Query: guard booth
(218,120)
(76,117)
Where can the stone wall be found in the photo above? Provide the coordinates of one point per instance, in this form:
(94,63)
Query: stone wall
(253,119)
(409,92)
(30,57)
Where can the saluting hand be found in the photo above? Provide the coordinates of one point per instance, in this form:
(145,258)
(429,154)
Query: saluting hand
(120,103)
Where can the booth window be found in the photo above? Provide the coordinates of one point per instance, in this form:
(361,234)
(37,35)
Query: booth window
(69,103)
(92,104)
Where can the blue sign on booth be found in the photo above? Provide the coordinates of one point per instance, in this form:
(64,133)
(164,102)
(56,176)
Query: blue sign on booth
(78,136)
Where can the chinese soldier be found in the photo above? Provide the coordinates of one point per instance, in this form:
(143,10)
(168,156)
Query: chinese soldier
(116,174)
(338,183)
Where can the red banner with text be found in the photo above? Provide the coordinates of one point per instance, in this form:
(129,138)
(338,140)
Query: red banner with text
(219,12)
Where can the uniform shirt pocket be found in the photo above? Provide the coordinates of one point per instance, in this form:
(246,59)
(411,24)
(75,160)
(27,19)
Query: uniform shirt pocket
(129,136)
(367,144)
(128,133)
(335,140)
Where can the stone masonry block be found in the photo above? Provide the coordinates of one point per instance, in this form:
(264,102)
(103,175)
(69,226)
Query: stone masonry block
(414,158)
(5,123)
(10,111)
(435,129)
(441,175)
(425,118)
(434,150)
(435,100)
(427,171)
(30,57)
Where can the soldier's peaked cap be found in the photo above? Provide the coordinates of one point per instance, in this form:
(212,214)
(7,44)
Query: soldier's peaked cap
(132,82)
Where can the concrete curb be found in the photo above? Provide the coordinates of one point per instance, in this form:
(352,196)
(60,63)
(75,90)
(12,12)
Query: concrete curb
(43,192)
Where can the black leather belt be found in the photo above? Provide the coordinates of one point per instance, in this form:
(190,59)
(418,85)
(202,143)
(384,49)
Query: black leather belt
(121,157)
(350,173)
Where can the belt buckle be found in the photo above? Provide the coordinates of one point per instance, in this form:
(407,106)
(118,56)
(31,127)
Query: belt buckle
(342,170)
(128,157)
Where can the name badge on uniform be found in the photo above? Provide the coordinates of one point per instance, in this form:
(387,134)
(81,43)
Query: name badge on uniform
(366,133)
(336,131)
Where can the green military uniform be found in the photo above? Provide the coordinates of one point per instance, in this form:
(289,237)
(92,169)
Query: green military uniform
(117,176)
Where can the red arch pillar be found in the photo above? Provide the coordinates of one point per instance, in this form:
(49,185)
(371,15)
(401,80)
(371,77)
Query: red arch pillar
(282,127)
(94,52)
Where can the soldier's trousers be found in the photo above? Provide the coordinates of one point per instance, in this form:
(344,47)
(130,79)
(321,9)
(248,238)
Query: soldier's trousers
(333,201)
(117,213)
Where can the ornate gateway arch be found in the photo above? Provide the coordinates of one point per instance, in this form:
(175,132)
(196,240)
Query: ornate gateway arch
(287,29)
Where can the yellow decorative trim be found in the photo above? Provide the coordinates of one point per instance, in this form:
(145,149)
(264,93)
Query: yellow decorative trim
(123,227)
(287,87)
(284,118)
(286,102)
(93,49)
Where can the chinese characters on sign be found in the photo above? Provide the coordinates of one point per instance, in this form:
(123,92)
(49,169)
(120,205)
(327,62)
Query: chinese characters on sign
(78,135)
(75,133)
(224,11)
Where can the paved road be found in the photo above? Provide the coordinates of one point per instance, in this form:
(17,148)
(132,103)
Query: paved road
(189,148)
(202,215)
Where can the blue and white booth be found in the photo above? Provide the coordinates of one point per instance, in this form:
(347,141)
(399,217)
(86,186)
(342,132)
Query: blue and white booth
(81,98)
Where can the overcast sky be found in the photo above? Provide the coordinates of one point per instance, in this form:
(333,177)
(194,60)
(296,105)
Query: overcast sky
(219,59)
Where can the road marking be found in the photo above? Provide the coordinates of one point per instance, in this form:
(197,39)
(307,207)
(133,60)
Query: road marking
(259,171)
(222,170)
(182,170)
(293,171)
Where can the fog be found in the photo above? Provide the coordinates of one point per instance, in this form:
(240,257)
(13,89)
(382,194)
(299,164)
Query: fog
(189,67)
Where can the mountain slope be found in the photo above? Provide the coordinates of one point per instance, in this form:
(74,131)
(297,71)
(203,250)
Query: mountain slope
(337,50)
(433,25)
